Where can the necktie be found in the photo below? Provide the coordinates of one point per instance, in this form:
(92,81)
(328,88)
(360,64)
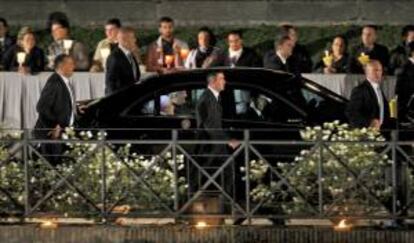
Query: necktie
(133,64)
(380,103)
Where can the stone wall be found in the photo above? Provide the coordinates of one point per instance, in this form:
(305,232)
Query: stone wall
(212,12)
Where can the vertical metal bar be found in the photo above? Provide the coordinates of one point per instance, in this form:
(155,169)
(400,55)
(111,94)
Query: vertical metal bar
(320,174)
(175,168)
(103,178)
(394,171)
(26,172)
(247,166)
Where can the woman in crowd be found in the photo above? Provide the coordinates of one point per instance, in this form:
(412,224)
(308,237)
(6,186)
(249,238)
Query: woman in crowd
(24,57)
(201,57)
(334,60)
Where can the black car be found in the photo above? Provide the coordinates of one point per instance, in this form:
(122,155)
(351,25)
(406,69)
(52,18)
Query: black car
(254,98)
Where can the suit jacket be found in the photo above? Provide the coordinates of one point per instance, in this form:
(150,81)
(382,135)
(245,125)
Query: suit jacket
(398,58)
(248,58)
(405,89)
(273,61)
(54,106)
(363,107)
(119,72)
(209,115)
(35,60)
(379,52)
(302,58)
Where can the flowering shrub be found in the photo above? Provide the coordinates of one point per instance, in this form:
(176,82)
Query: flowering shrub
(341,192)
(83,164)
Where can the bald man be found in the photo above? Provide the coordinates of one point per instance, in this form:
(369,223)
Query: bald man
(368,106)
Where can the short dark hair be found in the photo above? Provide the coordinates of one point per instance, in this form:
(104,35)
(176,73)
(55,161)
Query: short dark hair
(213,39)
(235,32)
(281,40)
(371,26)
(284,29)
(62,22)
(166,19)
(60,59)
(114,21)
(4,21)
(212,75)
(406,29)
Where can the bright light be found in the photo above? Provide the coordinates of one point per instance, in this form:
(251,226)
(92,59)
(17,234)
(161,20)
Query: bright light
(201,225)
(48,224)
(343,226)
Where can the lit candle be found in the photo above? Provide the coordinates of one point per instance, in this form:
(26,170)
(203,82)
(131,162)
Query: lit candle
(169,60)
(67,44)
(343,226)
(105,53)
(21,57)
(48,224)
(184,53)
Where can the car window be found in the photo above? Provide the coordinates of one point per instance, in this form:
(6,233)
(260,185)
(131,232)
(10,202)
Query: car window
(181,102)
(254,105)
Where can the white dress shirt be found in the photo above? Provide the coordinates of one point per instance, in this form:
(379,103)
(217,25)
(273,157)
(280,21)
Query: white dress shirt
(380,98)
(66,81)
(282,58)
(215,92)
(235,55)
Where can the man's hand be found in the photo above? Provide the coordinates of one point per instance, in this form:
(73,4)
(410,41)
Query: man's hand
(82,108)
(375,123)
(234,144)
(55,133)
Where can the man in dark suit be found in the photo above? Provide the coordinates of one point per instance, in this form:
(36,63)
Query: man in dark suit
(5,40)
(370,48)
(237,55)
(56,107)
(122,69)
(281,57)
(405,84)
(368,106)
(399,56)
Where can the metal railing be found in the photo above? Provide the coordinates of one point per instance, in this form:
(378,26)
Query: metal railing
(104,177)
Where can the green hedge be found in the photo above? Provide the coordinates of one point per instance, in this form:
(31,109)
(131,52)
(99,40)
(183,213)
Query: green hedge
(261,38)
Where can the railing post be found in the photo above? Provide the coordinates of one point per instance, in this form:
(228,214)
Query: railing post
(247,166)
(26,172)
(394,139)
(175,168)
(104,213)
(320,174)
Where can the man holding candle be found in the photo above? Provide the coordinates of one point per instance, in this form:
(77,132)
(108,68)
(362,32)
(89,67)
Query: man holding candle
(167,53)
(63,45)
(368,50)
(104,47)
(122,69)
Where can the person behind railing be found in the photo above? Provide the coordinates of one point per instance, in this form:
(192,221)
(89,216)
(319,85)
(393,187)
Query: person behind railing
(368,50)
(368,106)
(300,53)
(237,54)
(24,57)
(6,41)
(334,60)
(165,54)
(105,46)
(201,56)
(280,58)
(62,44)
(56,107)
(405,85)
(401,54)
(122,68)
